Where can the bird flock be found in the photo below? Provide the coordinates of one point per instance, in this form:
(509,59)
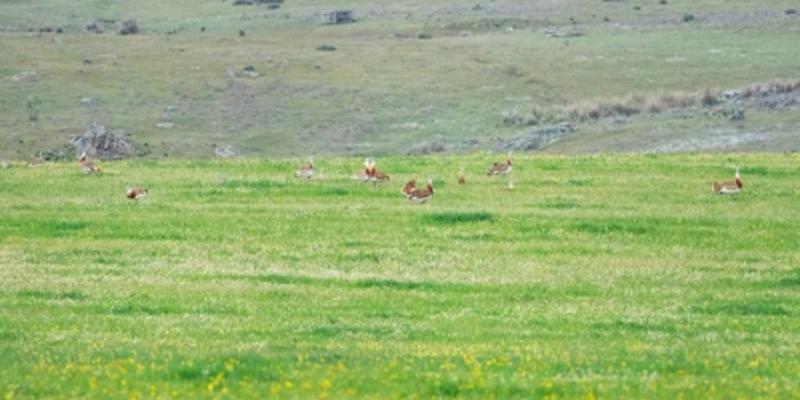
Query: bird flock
(370,173)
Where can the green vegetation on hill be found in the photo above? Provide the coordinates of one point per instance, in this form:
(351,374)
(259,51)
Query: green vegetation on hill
(598,277)
(384,90)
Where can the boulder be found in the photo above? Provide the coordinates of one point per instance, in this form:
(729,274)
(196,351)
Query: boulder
(99,143)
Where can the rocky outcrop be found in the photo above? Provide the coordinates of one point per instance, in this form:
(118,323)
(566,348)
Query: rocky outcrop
(101,144)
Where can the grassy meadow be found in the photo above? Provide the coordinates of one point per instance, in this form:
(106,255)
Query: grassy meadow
(597,277)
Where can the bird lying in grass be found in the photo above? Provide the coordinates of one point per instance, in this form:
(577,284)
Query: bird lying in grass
(136,193)
(307,171)
(87,165)
(728,187)
(421,196)
(500,168)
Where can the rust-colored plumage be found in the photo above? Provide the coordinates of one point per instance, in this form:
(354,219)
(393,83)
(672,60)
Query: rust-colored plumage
(379,177)
(728,187)
(87,165)
(422,195)
(500,168)
(409,187)
(364,174)
(374,174)
(462,180)
(307,171)
(136,193)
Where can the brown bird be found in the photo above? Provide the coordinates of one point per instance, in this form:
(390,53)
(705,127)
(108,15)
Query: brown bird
(379,177)
(363,175)
(421,196)
(36,161)
(307,171)
(728,187)
(500,168)
(375,175)
(88,166)
(409,187)
(136,193)
(461,178)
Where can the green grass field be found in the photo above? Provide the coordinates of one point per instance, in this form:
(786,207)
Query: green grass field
(598,277)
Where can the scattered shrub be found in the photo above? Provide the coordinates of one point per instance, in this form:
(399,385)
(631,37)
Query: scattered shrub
(637,104)
(33,109)
(688,17)
(709,99)
(424,35)
(129,27)
(326,47)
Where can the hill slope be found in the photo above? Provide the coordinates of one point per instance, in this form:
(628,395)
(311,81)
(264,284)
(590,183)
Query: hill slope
(383,89)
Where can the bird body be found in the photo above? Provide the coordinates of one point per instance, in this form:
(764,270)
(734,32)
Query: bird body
(87,165)
(378,176)
(307,171)
(728,187)
(409,187)
(500,168)
(421,196)
(136,193)
(362,176)
(373,174)
(461,178)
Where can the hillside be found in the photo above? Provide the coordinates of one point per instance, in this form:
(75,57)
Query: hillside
(407,76)
(597,277)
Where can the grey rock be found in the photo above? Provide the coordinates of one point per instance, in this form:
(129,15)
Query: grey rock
(96,141)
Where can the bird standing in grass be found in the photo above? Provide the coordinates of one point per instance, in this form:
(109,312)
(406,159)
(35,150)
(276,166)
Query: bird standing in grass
(421,196)
(87,165)
(461,178)
(363,175)
(307,171)
(136,193)
(728,187)
(375,175)
(500,168)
